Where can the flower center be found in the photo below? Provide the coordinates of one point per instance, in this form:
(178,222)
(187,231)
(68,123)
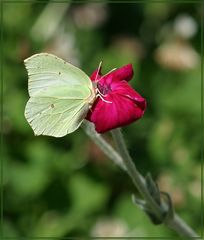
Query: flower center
(103,89)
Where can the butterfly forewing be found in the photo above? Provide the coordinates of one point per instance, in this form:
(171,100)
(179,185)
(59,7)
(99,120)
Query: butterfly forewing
(47,70)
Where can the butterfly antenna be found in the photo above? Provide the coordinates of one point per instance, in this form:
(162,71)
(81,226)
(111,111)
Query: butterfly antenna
(99,67)
(108,73)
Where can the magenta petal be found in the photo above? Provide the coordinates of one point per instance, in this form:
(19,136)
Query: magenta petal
(124,89)
(122,110)
(120,74)
(119,104)
(123,73)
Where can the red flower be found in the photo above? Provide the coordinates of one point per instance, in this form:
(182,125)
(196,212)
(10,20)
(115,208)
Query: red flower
(117,104)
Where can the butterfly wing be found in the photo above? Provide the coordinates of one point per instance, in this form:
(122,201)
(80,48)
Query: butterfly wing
(46,71)
(60,95)
(55,117)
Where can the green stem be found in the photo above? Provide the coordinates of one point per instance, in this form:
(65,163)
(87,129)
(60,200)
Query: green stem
(177,224)
(103,144)
(181,227)
(137,179)
(124,160)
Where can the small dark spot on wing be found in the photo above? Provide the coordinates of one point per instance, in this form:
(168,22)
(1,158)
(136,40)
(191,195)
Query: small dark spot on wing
(59,73)
(52,105)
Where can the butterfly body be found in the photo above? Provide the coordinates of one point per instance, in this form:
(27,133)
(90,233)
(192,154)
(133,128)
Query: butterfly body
(60,95)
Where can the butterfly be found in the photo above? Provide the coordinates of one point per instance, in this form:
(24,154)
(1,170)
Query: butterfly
(60,95)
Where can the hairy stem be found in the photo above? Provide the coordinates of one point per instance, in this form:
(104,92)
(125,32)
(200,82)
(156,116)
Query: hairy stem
(176,223)
(136,177)
(103,144)
(181,227)
(122,158)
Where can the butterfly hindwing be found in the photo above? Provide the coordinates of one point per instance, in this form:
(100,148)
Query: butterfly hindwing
(51,117)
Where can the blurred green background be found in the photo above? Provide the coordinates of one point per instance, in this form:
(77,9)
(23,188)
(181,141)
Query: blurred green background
(67,187)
